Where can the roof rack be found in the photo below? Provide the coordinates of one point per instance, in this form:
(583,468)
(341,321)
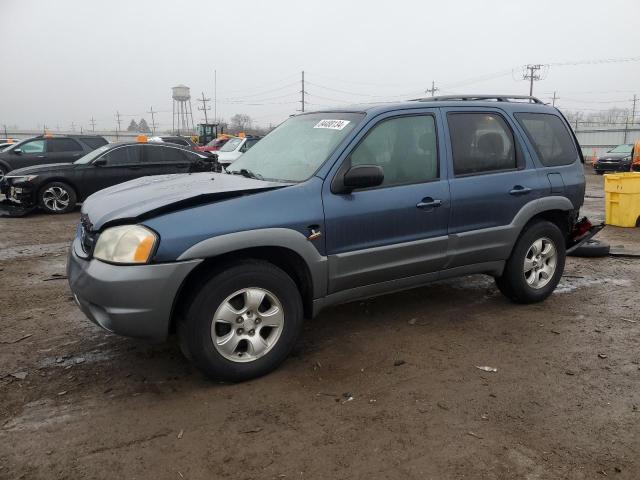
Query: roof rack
(497,98)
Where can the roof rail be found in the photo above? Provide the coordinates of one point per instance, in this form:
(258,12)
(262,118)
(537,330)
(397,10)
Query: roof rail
(497,98)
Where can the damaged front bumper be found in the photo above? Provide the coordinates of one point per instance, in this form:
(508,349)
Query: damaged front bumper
(16,200)
(12,209)
(583,230)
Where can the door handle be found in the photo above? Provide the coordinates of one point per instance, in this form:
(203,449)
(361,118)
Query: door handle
(519,190)
(429,202)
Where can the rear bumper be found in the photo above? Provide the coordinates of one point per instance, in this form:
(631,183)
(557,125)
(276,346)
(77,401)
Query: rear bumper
(130,300)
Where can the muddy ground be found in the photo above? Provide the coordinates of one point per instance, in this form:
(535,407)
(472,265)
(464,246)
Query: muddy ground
(386,388)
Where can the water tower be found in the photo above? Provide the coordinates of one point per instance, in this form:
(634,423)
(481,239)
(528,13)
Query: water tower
(182,114)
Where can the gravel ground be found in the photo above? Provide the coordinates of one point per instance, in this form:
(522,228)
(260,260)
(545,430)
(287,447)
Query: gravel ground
(386,388)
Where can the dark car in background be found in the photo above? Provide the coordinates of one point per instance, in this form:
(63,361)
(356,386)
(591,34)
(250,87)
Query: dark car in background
(45,149)
(57,188)
(617,159)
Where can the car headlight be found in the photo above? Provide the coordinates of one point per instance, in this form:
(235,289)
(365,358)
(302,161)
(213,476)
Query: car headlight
(126,244)
(21,178)
(627,159)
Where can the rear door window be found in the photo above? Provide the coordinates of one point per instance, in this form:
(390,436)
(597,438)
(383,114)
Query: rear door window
(60,145)
(128,155)
(158,154)
(481,143)
(550,138)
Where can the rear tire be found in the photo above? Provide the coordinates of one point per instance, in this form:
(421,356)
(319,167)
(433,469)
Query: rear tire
(57,197)
(536,264)
(243,322)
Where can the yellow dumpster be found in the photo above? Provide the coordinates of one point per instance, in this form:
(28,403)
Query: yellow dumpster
(622,197)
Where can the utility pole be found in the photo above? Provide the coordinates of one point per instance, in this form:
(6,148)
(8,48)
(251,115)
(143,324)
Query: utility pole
(153,120)
(302,101)
(73,126)
(5,130)
(532,76)
(204,107)
(553,101)
(215,96)
(93,124)
(433,89)
(118,120)
(633,118)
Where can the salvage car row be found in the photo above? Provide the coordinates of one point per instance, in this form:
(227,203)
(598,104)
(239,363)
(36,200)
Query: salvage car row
(54,173)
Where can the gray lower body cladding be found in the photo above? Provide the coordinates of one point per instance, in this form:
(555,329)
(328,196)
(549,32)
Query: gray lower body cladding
(130,300)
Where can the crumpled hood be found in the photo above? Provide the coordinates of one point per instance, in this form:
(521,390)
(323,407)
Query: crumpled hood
(49,167)
(148,196)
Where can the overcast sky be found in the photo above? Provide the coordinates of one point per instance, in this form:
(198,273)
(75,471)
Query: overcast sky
(66,61)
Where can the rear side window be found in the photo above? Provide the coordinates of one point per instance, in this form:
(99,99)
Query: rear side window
(157,154)
(63,145)
(128,155)
(405,148)
(550,138)
(94,142)
(481,142)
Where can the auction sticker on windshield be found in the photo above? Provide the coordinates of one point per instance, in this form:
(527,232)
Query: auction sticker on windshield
(332,124)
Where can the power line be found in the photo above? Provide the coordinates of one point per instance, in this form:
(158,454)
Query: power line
(93,124)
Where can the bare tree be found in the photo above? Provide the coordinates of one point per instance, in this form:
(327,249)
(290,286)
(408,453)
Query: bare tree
(240,122)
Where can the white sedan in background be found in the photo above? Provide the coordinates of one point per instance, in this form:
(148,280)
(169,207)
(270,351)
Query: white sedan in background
(234,148)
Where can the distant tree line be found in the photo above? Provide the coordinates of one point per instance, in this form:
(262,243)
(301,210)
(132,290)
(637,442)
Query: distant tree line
(612,116)
(140,127)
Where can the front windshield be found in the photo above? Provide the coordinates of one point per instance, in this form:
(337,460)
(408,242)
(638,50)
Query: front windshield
(298,147)
(89,157)
(231,145)
(625,148)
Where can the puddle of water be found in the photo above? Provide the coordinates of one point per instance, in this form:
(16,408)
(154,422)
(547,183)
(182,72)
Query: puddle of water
(67,360)
(569,284)
(44,413)
(9,253)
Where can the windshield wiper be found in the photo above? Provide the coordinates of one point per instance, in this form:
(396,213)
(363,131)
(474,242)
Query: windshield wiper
(246,173)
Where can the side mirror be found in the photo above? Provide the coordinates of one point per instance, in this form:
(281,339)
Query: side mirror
(17,151)
(101,162)
(362,176)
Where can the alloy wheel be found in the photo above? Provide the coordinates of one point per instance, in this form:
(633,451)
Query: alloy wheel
(540,263)
(56,198)
(247,325)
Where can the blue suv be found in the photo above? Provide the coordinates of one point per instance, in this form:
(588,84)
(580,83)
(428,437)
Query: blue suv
(331,207)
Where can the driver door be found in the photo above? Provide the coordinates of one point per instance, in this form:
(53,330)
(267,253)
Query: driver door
(399,229)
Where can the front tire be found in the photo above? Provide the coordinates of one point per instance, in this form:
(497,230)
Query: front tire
(57,197)
(243,322)
(535,265)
